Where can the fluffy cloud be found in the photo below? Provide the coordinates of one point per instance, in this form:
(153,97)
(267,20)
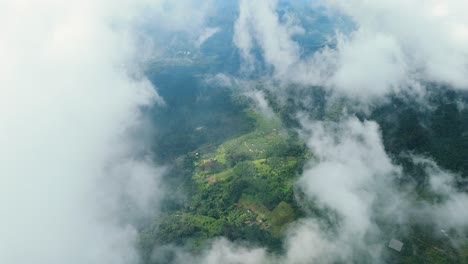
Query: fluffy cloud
(396,45)
(259,24)
(352,155)
(429,39)
(352,176)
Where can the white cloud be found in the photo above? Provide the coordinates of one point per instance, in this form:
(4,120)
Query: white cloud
(261,103)
(223,251)
(306,242)
(222,80)
(351,174)
(370,65)
(396,44)
(207,34)
(67,102)
(449,213)
(259,24)
(428,35)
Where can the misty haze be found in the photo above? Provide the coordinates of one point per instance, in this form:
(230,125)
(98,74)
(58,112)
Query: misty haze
(233,131)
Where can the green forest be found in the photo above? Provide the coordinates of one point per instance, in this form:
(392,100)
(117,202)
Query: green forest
(242,187)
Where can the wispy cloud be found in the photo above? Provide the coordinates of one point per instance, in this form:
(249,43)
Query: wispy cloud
(207,34)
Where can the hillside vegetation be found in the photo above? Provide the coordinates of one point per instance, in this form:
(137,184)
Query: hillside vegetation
(241,185)
(241,189)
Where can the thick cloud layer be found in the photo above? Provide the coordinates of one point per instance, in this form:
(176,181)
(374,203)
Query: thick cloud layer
(69,109)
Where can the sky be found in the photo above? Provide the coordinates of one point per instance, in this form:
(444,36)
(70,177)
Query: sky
(74,178)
